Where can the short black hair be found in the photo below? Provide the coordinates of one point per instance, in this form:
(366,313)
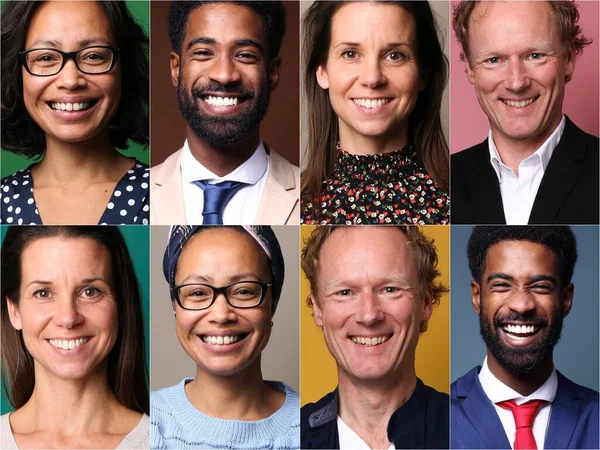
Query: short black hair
(20,134)
(272,14)
(559,239)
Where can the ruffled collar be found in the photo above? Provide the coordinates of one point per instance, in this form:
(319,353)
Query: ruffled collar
(366,166)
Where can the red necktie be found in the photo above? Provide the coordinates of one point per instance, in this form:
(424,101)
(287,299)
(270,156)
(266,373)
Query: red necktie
(524,416)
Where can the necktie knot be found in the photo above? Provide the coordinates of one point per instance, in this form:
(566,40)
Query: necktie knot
(524,416)
(216,197)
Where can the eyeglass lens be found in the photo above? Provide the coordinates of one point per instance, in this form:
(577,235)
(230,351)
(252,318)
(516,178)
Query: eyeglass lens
(88,60)
(199,296)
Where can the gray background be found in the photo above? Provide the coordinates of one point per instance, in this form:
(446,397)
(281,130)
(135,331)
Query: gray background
(169,364)
(576,354)
(442,11)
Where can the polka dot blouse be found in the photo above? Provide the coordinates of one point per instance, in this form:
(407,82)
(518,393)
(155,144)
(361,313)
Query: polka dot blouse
(128,204)
(389,188)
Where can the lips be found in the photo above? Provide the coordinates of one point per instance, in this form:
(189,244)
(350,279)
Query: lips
(370,341)
(519,103)
(222,340)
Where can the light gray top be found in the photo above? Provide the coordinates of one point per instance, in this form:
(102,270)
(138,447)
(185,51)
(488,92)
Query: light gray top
(137,439)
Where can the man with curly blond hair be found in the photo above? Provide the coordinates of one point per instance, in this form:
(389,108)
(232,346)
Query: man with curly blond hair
(536,166)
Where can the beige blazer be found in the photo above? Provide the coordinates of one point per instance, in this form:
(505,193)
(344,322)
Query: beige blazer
(279,204)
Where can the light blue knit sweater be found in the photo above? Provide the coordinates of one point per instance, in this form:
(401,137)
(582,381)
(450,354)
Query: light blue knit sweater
(176,424)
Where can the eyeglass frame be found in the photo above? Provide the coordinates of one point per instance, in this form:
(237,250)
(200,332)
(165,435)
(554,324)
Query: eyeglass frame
(221,290)
(66,56)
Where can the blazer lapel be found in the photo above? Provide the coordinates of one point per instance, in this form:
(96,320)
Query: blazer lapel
(166,199)
(563,416)
(564,168)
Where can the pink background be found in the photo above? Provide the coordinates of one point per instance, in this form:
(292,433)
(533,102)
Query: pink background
(468,123)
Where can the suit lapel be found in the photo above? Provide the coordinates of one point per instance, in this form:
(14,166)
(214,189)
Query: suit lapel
(563,416)
(564,168)
(166,199)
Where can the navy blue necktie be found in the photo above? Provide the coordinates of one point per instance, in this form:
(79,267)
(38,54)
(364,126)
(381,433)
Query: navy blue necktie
(216,197)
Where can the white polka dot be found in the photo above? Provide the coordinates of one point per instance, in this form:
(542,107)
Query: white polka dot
(145,221)
(131,202)
(18,210)
(36,211)
(111,205)
(25,176)
(16,196)
(135,219)
(130,171)
(20,221)
(15,182)
(103,223)
(5,188)
(146,175)
(25,182)
(132,177)
(146,208)
(9,220)
(6,199)
(129,188)
(117,193)
(30,201)
(33,223)
(144,185)
(9,209)
(123,212)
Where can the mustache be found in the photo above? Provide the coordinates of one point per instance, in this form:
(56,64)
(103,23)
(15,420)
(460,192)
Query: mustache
(529,318)
(216,88)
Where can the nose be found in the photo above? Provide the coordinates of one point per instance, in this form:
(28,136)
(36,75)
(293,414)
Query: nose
(521,301)
(67,314)
(517,78)
(70,77)
(372,74)
(224,70)
(369,309)
(222,312)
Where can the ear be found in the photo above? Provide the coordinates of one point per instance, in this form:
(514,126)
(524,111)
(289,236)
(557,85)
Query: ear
(317,312)
(570,68)
(470,73)
(427,305)
(322,77)
(175,64)
(274,69)
(567,299)
(14,314)
(476,296)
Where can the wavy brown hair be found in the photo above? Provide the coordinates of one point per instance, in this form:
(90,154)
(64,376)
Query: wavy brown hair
(425,126)
(127,370)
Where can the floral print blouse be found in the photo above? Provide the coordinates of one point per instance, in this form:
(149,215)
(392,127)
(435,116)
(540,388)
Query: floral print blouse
(388,188)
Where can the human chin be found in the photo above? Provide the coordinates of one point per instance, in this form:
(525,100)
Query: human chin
(222,130)
(521,351)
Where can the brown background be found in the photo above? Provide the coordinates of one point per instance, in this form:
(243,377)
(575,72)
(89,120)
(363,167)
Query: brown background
(280,128)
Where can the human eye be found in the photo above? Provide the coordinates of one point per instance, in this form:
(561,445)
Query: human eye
(536,56)
(44,58)
(247,56)
(500,286)
(42,294)
(493,60)
(245,291)
(201,53)
(90,293)
(542,288)
(396,56)
(349,54)
(344,293)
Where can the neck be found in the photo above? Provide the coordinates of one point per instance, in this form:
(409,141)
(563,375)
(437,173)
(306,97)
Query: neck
(241,396)
(222,160)
(366,407)
(359,144)
(523,384)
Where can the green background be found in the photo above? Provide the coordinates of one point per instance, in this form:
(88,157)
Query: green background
(138,241)
(10,163)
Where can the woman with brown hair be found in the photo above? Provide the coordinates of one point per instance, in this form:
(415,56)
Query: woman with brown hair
(374,78)
(73,346)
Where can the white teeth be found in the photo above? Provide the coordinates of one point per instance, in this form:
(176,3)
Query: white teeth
(70,106)
(69,344)
(520,329)
(371,103)
(520,104)
(221,101)
(369,341)
(221,340)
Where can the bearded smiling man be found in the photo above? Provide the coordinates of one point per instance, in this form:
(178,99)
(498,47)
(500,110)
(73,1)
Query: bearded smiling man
(225,63)
(522,290)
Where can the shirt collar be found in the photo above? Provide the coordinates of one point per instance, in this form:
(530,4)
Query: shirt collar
(249,172)
(497,391)
(543,154)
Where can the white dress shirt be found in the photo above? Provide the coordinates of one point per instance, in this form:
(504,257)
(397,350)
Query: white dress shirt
(349,440)
(243,206)
(518,192)
(497,391)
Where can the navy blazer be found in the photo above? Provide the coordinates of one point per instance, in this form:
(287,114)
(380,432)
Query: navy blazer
(568,193)
(475,423)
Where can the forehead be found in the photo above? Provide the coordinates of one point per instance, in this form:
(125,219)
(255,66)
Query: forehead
(501,24)
(369,252)
(363,22)
(224,22)
(66,23)
(522,259)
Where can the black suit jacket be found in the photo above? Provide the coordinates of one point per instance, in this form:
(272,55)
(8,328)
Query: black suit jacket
(568,193)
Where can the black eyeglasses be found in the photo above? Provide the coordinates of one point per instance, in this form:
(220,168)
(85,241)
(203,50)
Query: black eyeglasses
(45,62)
(243,294)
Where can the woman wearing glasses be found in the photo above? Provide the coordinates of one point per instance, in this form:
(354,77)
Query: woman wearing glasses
(74,89)
(225,284)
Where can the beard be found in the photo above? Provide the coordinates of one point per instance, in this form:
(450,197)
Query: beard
(218,131)
(521,361)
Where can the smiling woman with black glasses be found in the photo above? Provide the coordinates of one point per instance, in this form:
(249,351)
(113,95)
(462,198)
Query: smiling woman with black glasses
(74,90)
(225,284)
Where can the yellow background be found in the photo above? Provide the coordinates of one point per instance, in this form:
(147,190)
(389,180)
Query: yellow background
(318,374)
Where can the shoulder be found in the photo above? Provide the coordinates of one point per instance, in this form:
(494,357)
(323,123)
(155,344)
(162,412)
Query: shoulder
(161,401)
(470,155)
(7,440)
(165,168)
(318,413)
(16,199)
(281,165)
(462,385)
(587,395)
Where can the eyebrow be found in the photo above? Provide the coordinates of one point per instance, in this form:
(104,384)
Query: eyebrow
(50,283)
(390,45)
(534,279)
(238,42)
(82,43)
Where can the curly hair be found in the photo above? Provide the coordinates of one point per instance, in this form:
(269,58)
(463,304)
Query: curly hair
(20,134)
(272,14)
(565,11)
(559,239)
(423,249)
